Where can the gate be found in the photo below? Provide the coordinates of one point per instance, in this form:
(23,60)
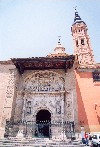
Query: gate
(43,129)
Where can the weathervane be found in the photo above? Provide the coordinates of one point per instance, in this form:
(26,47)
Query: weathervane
(75,8)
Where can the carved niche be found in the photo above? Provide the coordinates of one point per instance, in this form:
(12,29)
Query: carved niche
(58,107)
(44,82)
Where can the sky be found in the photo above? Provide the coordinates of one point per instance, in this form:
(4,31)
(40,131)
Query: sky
(30,28)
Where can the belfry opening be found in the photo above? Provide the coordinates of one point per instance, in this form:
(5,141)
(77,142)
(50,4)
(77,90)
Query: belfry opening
(43,121)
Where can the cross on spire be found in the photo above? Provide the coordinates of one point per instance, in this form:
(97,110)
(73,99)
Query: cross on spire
(75,8)
(59,38)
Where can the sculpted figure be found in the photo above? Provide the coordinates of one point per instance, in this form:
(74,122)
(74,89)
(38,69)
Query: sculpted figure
(20,134)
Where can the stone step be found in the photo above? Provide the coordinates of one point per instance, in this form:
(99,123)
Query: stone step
(38,145)
(41,146)
(29,142)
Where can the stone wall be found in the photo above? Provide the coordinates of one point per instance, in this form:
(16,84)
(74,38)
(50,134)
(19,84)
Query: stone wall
(7,90)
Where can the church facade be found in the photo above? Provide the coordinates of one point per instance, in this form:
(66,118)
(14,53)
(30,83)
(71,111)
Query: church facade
(53,95)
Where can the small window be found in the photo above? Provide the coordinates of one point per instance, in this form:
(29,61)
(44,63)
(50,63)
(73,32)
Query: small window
(82,41)
(94,137)
(96,76)
(77,43)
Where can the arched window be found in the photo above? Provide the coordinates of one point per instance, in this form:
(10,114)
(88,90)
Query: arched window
(82,41)
(77,43)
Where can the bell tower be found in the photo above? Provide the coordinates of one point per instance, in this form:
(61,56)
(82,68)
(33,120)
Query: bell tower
(82,46)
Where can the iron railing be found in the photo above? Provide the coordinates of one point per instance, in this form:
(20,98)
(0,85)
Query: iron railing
(42,129)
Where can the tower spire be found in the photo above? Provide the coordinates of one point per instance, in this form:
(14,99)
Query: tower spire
(59,48)
(77,18)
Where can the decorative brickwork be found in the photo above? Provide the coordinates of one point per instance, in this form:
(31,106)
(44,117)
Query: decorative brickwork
(81,39)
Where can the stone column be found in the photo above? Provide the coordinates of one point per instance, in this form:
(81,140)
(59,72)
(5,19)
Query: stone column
(63,118)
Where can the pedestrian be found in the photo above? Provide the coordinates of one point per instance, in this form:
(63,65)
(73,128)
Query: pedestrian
(86,139)
(90,139)
(83,137)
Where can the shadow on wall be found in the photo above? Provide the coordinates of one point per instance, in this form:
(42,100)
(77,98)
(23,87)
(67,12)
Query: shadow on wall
(85,75)
(82,117)
(97,109)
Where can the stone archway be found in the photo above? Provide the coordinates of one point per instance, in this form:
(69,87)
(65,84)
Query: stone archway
(43,121)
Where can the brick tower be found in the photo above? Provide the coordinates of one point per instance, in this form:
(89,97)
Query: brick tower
(82,46)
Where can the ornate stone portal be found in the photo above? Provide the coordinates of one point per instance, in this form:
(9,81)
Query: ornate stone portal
(43,91)
(47,87)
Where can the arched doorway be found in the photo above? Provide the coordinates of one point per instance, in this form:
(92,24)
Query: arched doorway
(43,121)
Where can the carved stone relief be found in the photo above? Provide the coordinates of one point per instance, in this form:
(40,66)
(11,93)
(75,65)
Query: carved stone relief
(38,103)
(45,90)
(44,82)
